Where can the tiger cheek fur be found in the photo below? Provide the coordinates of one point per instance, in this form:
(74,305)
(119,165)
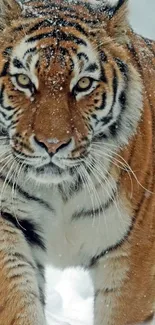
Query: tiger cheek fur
(77,157)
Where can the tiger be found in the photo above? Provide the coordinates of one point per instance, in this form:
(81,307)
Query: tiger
(77,152)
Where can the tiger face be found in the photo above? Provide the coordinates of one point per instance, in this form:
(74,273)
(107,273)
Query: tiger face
(68,89)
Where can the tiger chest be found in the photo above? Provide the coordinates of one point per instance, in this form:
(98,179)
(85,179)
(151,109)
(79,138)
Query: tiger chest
(78,232)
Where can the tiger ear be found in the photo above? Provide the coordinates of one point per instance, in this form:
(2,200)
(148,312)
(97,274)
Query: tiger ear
(117,23)
(114,17)
(9,10)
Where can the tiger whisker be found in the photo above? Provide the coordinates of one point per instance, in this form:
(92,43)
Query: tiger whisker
(10,159)
(91,168)
(112,160)
(99,171)
(132,172)
(92,191)
(14,189)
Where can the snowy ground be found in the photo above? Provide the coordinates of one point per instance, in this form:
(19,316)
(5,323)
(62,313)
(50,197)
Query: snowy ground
(69,293)
(69,298)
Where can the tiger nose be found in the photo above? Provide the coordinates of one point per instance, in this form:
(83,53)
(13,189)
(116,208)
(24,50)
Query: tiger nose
(51,145)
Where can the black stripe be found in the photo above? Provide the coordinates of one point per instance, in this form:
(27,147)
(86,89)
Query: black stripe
(41,270)
(48,10)
(29,196)
(52,5)
(103,57)
(4,72)
(115,87)
(122,99)
(29,228)
(113,10)
(104,97)
(94,116)
(57,22)
(134,54)
(114,128)
(89,213)
(92,67)
(21,27)
(34,198)
(103,75)
(94,260)
(29,51)
(101,136)
(86,21)
(18,64)
(7,118)
(7,51)
(42,296)
(41,24)
(103,103)
(82,55)
(123,67)
(61,36)
(94,213)
(105,120)
(3,115)
(20,259)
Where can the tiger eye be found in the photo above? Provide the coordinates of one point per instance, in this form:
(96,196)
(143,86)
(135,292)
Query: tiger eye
(23,80)
(84,83)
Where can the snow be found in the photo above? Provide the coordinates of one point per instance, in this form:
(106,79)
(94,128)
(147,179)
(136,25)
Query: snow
(69,297)
(70,293)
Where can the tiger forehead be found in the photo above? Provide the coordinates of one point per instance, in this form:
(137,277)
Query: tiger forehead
(51,61)
(70,9)
(54,75)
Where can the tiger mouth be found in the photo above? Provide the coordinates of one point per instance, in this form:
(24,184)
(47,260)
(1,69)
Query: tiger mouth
(50,167)
(50,174)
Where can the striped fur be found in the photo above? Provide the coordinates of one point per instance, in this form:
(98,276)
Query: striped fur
(76,164)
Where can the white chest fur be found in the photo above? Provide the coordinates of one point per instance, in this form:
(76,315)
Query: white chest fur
(80,228)
(74,239)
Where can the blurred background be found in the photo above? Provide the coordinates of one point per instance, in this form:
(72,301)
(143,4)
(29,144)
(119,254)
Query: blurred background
(142,17)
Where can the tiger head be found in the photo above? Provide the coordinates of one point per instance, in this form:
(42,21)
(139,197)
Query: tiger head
(68,90)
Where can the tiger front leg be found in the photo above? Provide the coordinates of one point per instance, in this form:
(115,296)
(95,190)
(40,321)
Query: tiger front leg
(108,274)
(122,297)
(20,299)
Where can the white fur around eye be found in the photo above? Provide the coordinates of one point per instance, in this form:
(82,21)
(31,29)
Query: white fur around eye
(22,88)
(84,93)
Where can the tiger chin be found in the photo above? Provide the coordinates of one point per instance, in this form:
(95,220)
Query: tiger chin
(77,116)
